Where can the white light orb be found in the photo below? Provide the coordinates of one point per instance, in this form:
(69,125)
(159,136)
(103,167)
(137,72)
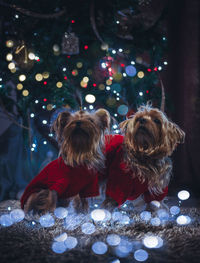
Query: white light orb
(103,65)
(163,214)
(141,93)
(98,214)
(99,248)
(174,210)
(22,77)
(44,122)
(183,220)
(44,142)
(36,101)
(17,215)
(114,51)
(160,242)
(9,57)
(5,220)
(150,241)
(46,220)
(116,216)
(59,247)
(113,240)
(140,255)
(125,220)
(124,248)
(32,115)
(60,212)
(90,98)
(115,261)
(62,237)
(107,88)
(145,215)
(183,195)
(56,48)
(11,65)
(155,221)
(31,56)
(71,242)
(88,228)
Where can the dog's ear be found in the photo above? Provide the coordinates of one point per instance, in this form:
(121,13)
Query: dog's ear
(123,125)
(104,117)
(175,135)
(60,123)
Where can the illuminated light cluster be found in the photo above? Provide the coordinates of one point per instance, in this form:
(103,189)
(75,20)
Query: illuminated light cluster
(74,72)
(150,241)
(99,248)
(62,237)
(183,195)
(25,93)
(59,84)
(46,220)
(88,228)
(122,109)
(113,240)
(9,43)
(174,210)
(79,65)
(124,248)
(145,215)
(31,56)
(70,242)
(9,57)
(140,74)
(98,214)
(17,215)
(60,212)
(90,98)
(131,71)
(19,86)
(183,220)
(11,65)
(45,75)
(140,255)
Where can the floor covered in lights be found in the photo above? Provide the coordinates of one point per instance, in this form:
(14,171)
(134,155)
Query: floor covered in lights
(128,236)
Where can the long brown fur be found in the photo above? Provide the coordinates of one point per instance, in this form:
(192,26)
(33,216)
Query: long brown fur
(81,139)
(148,145)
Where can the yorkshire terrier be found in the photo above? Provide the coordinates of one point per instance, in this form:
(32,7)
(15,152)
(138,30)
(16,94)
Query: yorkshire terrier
(138,164)
(75,173)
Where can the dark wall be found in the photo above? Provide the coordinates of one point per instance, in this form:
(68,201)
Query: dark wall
(182,84)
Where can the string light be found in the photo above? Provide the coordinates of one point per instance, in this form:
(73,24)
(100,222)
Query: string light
(90,98)
(11,65)
(25,93)
(59,84)
(39,77)
(9,57)
(140,74)
(22,77)
(36,101)
(9,43)
(31,56)
(19,86)
(114,51)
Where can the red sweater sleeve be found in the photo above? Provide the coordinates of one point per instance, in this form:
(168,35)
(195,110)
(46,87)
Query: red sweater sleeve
(51,177)
(148,197)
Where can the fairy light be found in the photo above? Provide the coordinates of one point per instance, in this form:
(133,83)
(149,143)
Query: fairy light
(183,195)
(45,75)
(22,77)
(165,63)
(11,65)
(133,62)
(36,101)
(9,57)
(25,93)
(44,121)
(90,98)
(39,77)
(19,86)
(44,142)
(9,43)
(59,84)
(107,88)
(31,56)
(98,214)
(140,74)
(114,51)
(64,69)
(32,115)
(120,50)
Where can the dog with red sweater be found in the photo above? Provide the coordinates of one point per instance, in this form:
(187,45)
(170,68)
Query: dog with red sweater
(75,173)
(138,163)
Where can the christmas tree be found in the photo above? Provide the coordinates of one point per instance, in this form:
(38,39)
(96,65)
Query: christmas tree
(113,51)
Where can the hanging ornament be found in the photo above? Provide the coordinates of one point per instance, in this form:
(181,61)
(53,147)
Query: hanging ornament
(70,44)
(21,57)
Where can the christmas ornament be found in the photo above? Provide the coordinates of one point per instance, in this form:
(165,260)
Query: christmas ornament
(70,44)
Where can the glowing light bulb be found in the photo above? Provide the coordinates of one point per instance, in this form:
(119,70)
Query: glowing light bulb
(98,214)
(22,77)
(183,195)
(99,248)
(31,56)
(150,241)
(90,98)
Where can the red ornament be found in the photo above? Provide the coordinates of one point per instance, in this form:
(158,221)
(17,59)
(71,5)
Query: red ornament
(38,60)
(155,69)
(122,65)
(65,77)
(86,47)
(149,70)
(147,91)
(44,99)
(94,84)
(72,21)
(45,83)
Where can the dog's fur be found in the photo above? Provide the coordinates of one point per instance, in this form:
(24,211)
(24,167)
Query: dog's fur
(81,140)
(149,139)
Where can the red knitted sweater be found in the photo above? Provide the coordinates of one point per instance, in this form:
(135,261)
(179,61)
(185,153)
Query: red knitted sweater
(65,180)
(121,184)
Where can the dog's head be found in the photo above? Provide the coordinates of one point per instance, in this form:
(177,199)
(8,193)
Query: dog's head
(80,136)
(150,133)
